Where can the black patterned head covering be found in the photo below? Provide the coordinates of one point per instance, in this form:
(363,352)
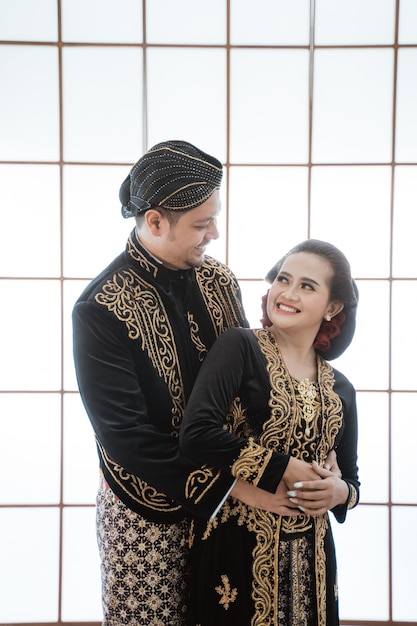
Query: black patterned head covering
(173,175)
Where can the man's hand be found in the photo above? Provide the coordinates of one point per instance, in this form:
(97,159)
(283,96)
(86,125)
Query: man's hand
(331,464)
(278,502)
(297,471)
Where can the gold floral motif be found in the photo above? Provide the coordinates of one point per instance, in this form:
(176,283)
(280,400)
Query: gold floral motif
(235,420)
(228,595)
(292,525)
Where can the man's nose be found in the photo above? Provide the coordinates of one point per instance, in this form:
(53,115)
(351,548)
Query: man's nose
(213,232)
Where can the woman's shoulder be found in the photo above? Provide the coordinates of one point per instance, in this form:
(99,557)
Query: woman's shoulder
(342,384)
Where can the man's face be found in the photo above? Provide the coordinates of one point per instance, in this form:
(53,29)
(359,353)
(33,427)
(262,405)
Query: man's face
(182,245)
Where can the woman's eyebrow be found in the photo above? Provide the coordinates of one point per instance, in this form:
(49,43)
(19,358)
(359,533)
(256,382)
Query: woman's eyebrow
(303,278)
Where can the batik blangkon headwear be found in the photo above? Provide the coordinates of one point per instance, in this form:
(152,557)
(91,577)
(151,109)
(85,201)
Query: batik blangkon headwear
(173,175)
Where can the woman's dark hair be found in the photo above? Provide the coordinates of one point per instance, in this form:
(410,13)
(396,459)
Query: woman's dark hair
(341,284)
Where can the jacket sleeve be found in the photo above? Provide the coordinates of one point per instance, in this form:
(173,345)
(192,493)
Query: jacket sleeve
(204,434)
(115,401)
(346,445)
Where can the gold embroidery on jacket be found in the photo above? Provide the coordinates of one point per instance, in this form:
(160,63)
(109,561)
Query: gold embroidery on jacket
(136,488)
(228,595)
(201,348)
(199,482)
(137,255)
(220,292)
(137,303)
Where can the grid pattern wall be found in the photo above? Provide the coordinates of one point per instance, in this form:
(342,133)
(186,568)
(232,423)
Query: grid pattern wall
(312,107)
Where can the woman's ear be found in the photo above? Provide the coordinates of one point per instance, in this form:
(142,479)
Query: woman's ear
(333,309)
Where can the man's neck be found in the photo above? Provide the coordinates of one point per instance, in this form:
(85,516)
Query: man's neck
(145,248)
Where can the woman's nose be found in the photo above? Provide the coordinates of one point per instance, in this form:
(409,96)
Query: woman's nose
(291,292)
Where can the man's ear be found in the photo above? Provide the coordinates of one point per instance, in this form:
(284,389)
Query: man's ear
(153,220)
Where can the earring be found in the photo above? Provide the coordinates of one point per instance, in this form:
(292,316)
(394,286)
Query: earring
(328,318)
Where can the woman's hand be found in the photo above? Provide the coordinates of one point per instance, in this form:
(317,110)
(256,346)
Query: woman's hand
(278,502)
(301,471)
(315,497)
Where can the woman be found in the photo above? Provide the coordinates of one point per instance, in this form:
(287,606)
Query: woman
(269,408)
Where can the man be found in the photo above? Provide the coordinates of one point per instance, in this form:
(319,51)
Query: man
(141,331)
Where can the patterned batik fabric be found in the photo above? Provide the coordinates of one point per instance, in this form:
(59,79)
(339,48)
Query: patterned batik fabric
(143,566)
(296,591)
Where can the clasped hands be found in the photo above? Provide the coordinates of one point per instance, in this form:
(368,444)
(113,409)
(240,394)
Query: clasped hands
(304,488)
(311,489)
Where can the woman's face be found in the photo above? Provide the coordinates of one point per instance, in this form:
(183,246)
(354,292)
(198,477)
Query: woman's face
(299,297)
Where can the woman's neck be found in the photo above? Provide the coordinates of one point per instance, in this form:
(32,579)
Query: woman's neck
(299,356)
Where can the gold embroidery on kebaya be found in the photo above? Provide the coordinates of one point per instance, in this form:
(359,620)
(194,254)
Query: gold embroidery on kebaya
(284,431)
(137,303)
(292,525)
(333,409)
(278,429)
(308,393)
(321,525)
(353,496)
(221,301)
(251,462)
(266,527)
(136,488)
(235,420)
(199,482)
(228,595)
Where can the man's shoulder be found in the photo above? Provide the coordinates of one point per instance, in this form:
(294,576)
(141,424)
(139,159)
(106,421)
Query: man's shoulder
(103,277)
(213,265)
